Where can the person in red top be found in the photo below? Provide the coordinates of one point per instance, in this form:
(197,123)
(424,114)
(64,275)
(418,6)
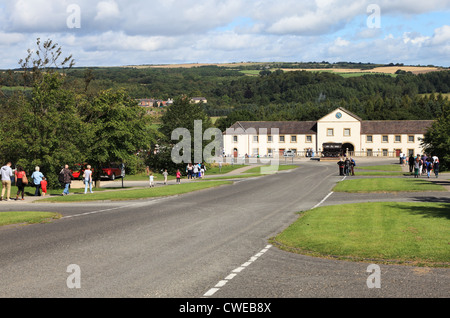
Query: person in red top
(44,187)
(19,174)
(178,176)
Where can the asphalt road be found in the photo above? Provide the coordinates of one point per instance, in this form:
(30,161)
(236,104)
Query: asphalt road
(207,244)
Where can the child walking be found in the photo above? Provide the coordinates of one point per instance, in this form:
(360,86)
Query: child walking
(178,176)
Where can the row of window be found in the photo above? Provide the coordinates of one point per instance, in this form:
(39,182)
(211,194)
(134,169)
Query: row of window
(308,138)
(293,139)
(385,138)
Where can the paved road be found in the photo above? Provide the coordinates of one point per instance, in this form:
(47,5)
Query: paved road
(211,243)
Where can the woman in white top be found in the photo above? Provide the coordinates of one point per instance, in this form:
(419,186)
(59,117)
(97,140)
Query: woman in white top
(87,179)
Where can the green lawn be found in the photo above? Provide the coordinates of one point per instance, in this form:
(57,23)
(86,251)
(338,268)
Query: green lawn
(416,233)
(274,168)
(386,185)
(381,168)
(134,194)
(7,218)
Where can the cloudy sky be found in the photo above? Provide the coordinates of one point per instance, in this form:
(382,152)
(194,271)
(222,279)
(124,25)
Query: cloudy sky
(134,32)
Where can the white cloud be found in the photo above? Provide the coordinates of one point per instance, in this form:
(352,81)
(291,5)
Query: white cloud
(161,31)
(107,10)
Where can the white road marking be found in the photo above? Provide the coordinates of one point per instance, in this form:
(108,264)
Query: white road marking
(235,272)
(112,209)
(324,199)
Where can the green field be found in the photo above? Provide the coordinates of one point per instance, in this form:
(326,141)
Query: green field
(386,185)
(412,233)
(8,218)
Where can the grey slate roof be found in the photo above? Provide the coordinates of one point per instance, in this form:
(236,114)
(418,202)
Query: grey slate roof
(395,127)
(284,127)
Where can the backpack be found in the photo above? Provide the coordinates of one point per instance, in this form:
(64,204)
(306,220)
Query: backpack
(61,176)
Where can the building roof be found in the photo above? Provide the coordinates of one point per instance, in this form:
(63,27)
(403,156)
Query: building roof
(395,126)
(284,127)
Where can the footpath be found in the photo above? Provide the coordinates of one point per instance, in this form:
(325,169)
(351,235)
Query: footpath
(115,186)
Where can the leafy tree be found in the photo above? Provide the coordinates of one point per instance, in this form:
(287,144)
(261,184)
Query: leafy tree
(118,128)
(436,140)
(181,114)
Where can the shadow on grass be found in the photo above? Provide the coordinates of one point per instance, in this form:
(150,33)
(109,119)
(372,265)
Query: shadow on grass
(439,210)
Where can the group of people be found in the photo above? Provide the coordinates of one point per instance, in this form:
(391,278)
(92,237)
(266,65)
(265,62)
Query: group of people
(346,166)
(66,177)
(195,171)
(423,165)
(37,180)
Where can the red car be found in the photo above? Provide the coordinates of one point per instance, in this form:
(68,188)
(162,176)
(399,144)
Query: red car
(112,172)
(78,170)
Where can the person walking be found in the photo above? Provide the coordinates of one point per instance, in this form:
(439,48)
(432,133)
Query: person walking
(436,167)
(37,177)
(411,163)
(417,166)
(429,167)
(353,164)
(44,184)
(67,177)
(178,176)
(166,175)
(20,181)
(341,167)
(87,175)
(6,174)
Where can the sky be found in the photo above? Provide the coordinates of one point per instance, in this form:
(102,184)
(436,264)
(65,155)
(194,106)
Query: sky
(127,32)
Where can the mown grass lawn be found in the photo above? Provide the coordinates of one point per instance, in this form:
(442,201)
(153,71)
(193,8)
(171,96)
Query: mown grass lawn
(268,169)
(415,233)
(386,185)
(8,218)
(135,194)
(381,168)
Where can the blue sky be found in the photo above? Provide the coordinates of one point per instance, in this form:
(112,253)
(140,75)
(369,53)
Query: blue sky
(120,32)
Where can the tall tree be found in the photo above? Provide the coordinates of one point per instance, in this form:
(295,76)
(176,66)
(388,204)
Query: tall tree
(185,115)
(436,140)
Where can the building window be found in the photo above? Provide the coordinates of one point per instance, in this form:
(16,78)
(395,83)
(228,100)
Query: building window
(269,138)
(308,139)
(293,138)
(411,138)
(369,152)
(347,132)
(398,138)
(255,152)
(385,138)
(410,152)
(385,152)
(369,138)
(235,138)
(270,152)
(330,132)
(281,138)
(255,138)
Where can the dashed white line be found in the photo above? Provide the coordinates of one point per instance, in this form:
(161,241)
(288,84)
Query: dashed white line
(111,209)
(324,199)
(235,272)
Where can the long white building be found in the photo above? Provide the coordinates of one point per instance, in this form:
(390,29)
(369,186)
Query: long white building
(340,129)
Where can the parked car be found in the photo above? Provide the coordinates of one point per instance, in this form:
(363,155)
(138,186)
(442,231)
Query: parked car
(112,171)
(78,170)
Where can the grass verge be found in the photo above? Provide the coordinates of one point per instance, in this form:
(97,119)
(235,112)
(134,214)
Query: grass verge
(8,218)
(135,194)
(386,232)
(386,185)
